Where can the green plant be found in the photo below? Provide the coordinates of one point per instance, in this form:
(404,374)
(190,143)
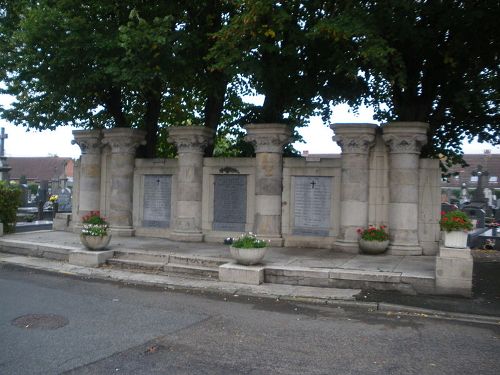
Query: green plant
(10,200)
(373,234)
(248,241)
(94,224)
(455,221)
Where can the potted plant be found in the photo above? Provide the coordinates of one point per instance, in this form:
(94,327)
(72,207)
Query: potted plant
(455,225)
(94,235)
(248,249)
(373,240)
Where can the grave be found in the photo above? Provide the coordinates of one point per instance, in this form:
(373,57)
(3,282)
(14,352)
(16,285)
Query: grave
(157,201)
(312,208)
(477,215)
(64,200)
(4,167)
(230,202)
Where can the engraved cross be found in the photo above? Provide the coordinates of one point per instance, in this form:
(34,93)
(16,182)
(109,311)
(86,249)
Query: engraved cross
(312,184)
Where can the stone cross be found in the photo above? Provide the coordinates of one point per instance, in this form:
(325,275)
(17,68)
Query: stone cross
(2,137)
(481,176)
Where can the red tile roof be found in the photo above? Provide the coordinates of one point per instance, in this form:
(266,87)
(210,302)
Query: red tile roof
(40,168)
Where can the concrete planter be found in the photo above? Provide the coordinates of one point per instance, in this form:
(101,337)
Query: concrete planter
(455,239)
(373,247)
(95,242)
(248,257)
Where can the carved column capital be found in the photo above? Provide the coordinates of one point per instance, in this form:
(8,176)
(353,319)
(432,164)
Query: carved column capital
(190,139)
(405,137)
(123,141)
(354,138)
(268,137)
(89,141)
(404,144)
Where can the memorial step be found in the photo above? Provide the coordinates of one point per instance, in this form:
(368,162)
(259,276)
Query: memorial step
(341,278)
(163,267)
(169,258)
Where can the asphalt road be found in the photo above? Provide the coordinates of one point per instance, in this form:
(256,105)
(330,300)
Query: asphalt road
(90,327)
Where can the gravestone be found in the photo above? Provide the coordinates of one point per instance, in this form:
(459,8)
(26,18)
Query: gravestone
(230,202)
(157,201)
(64,200)
(478,196)
(312,208)
(476,214)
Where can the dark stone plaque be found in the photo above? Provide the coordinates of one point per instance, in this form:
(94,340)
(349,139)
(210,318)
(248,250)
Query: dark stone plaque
(312,208)
(230,202)
(157,197)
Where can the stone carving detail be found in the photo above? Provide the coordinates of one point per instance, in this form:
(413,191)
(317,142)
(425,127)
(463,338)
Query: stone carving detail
(89,144)
(404,144)
(354,144)
(123,145)
(268,142)
(190,142)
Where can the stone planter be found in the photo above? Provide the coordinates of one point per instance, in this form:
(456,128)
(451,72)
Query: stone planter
(455,239)
(248,257)
(373,247)
(95,242)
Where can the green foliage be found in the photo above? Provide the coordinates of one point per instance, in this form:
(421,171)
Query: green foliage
(10,200)
(455,221)
(374,234)
(248,241)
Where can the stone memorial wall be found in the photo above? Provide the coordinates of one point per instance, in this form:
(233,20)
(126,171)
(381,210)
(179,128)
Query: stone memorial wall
(303,202)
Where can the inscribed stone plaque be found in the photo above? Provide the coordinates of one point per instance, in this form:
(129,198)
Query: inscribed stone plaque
(230,202)
(157,191)
(312,208)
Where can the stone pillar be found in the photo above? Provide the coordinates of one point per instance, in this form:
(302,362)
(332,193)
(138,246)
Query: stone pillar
(405,139)
(90,171)
(191,142)
(268,141)
(355,140)
(123,143)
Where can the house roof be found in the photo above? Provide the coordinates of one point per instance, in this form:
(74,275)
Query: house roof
(489,162)
(40,168)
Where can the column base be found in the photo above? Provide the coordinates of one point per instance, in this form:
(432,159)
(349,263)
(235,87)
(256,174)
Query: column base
(346,247)
(399,249)
(122,231)
(186,236)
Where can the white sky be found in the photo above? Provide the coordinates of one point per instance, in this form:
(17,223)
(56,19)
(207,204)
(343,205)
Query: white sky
(318,137)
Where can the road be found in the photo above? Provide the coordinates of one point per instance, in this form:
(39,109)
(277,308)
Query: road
(76,326)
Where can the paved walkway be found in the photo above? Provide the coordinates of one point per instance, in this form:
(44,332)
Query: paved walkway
(422,266)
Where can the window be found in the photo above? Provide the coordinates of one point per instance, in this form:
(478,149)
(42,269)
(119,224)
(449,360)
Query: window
(473,178)
(493,179)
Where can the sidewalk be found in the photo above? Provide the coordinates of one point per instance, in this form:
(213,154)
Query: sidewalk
(486,300)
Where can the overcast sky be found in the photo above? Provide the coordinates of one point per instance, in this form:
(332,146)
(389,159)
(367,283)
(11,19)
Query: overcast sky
(318,137)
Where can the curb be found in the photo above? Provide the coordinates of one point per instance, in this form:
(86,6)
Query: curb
(134,278)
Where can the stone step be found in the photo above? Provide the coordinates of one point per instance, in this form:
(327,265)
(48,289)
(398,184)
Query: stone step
(164,268)
(338,278)
(165,257)
(141,255)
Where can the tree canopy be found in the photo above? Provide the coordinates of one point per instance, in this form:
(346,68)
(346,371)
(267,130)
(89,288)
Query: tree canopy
(149,65)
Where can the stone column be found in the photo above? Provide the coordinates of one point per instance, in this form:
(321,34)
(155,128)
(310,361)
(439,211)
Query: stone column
(191,142)
(123,143)
(355,140)
(405,139)
(90,171)
(268,141)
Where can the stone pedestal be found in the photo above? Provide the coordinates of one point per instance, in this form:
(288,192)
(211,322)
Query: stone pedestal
(355,141)
(454,271)
(90,171)
(191,142)
(123,143)
(405,140)
(268,141)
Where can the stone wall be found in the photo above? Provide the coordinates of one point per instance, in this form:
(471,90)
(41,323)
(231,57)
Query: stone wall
(296,202)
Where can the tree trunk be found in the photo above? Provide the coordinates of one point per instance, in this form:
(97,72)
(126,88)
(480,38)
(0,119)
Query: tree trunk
(214,106)
(113,103)
(151,116)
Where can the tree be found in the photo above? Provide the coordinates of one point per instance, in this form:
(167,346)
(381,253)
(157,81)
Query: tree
(431,61)
(108,64)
